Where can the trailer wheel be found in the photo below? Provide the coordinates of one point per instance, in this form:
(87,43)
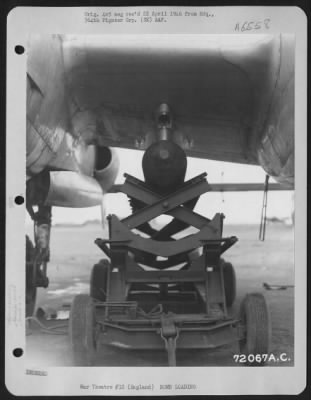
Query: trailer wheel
(98,282)
(31,288)
(256,320)
(229,283)
(82,330)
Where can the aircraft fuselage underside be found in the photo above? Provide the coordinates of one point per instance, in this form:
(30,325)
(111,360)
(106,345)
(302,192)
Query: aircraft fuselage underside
(233,104)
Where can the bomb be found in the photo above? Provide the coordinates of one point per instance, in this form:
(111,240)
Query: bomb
(164,166)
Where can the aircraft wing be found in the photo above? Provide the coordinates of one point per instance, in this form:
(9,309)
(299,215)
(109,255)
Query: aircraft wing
(230,187)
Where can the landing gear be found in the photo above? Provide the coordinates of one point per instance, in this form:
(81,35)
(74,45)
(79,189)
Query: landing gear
(82,330)
(256,322)
(37,256)
(31,288)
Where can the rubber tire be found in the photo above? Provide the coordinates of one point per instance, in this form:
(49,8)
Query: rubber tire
(98,281)
(82,330)
(31,289)
(229,283)
(255,317)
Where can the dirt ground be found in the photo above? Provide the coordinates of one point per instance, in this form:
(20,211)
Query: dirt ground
(74,253)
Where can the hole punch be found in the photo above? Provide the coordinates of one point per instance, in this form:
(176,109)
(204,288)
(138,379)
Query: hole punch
(18,352)
(19,200)
(19,49)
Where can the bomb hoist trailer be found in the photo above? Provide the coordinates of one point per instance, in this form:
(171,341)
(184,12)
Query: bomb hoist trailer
(156,289)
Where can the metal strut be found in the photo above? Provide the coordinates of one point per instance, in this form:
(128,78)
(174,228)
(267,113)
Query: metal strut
(263,218)
(42,228)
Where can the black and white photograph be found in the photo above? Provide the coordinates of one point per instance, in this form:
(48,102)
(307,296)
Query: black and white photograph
(159,221)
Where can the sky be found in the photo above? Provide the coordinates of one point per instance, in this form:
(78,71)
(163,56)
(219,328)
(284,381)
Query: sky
(244,207)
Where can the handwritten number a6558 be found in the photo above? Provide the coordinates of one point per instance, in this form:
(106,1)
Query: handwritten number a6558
(252,25)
